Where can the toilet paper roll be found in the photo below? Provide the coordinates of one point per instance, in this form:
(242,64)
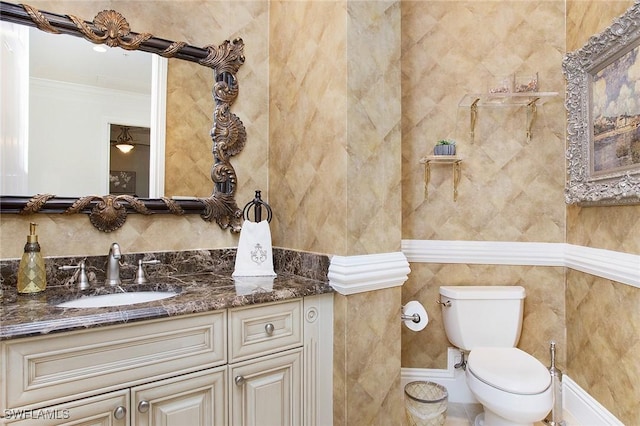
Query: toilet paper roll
(415,307)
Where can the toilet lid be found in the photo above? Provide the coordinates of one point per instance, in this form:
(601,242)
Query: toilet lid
(509,369)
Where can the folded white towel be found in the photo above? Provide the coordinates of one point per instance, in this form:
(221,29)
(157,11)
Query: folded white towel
(254,257)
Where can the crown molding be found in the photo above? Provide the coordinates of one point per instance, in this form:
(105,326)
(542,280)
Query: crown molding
(358,274)
(613,265)
(483,252)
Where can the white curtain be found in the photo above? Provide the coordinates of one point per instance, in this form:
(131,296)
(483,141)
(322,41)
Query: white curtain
(14,107)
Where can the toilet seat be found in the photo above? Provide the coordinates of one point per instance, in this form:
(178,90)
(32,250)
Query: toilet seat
(509,369)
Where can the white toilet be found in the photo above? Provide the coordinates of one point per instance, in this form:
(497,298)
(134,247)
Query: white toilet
(513,386)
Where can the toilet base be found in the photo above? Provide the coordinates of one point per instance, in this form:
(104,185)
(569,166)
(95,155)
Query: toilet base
(492,419)
(479,420)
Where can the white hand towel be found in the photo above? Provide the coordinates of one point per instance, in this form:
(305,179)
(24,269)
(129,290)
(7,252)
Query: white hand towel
(254,257)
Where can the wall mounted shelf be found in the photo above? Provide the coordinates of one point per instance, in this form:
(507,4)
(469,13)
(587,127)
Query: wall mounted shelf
(455,162)
(530,100)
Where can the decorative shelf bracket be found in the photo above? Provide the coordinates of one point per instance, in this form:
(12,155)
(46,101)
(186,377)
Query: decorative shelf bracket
(473,118)
(530,100)
(532,111)
(455,162)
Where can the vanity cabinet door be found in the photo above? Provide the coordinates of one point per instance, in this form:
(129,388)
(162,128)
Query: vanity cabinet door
(267,391)
(191,399)
(110,409)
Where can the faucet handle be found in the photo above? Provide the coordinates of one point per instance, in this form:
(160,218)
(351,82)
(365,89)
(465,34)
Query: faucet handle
(141,275)
(83,281)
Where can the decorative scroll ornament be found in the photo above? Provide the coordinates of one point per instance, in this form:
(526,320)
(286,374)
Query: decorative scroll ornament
(228,134)
(173,49)
(226,58)
(112,30)
(39,19)
(36,203)
(590,192)
(223,209)
(109,213)
(173,207)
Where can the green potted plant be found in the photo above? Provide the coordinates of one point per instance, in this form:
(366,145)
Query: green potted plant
(445,147)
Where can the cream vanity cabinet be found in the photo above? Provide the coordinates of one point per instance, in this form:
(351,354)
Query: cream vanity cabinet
(103,375)
(265,382)
(253,365)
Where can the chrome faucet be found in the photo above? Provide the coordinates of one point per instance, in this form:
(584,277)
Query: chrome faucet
(113,266)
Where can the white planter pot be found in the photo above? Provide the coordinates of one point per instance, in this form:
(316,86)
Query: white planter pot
(444,150)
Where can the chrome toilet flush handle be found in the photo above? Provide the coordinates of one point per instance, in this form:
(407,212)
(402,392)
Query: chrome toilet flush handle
(446,304)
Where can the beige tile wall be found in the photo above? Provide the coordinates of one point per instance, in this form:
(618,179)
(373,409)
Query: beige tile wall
(511,189)
(334,125)
(373,127)
(307,124)
(335,174)
(366,358)
(611,228)
(603,336)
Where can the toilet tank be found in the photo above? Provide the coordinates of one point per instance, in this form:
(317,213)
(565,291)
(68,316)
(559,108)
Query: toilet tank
(482,315)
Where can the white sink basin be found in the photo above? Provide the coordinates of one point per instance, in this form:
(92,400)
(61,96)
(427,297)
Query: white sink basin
(117,299)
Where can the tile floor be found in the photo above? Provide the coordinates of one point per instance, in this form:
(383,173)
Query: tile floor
(465,414)
(462,414)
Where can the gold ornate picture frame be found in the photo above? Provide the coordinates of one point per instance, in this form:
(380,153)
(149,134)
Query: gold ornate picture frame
(603,116)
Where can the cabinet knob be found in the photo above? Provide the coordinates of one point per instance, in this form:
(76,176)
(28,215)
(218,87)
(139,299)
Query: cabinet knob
(120,413)
(239,380)
(143,406)
(269,328)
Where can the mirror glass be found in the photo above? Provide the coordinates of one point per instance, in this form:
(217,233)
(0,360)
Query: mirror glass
(58,116)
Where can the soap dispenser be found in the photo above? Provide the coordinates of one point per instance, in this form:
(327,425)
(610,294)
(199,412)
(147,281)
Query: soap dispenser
(32,276)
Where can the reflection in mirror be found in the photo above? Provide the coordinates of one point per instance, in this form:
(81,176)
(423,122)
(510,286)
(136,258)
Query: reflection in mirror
(129,160)
(109,212)
(72,90)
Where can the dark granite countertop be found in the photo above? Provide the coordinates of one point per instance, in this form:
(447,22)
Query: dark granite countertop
(30,315)
(23,316)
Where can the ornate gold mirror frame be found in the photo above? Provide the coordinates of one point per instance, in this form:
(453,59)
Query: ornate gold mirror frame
(109,212)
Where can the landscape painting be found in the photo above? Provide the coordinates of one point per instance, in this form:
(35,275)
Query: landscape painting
(616,115)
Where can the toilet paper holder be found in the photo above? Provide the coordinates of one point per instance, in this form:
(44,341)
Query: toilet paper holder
(415,317)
